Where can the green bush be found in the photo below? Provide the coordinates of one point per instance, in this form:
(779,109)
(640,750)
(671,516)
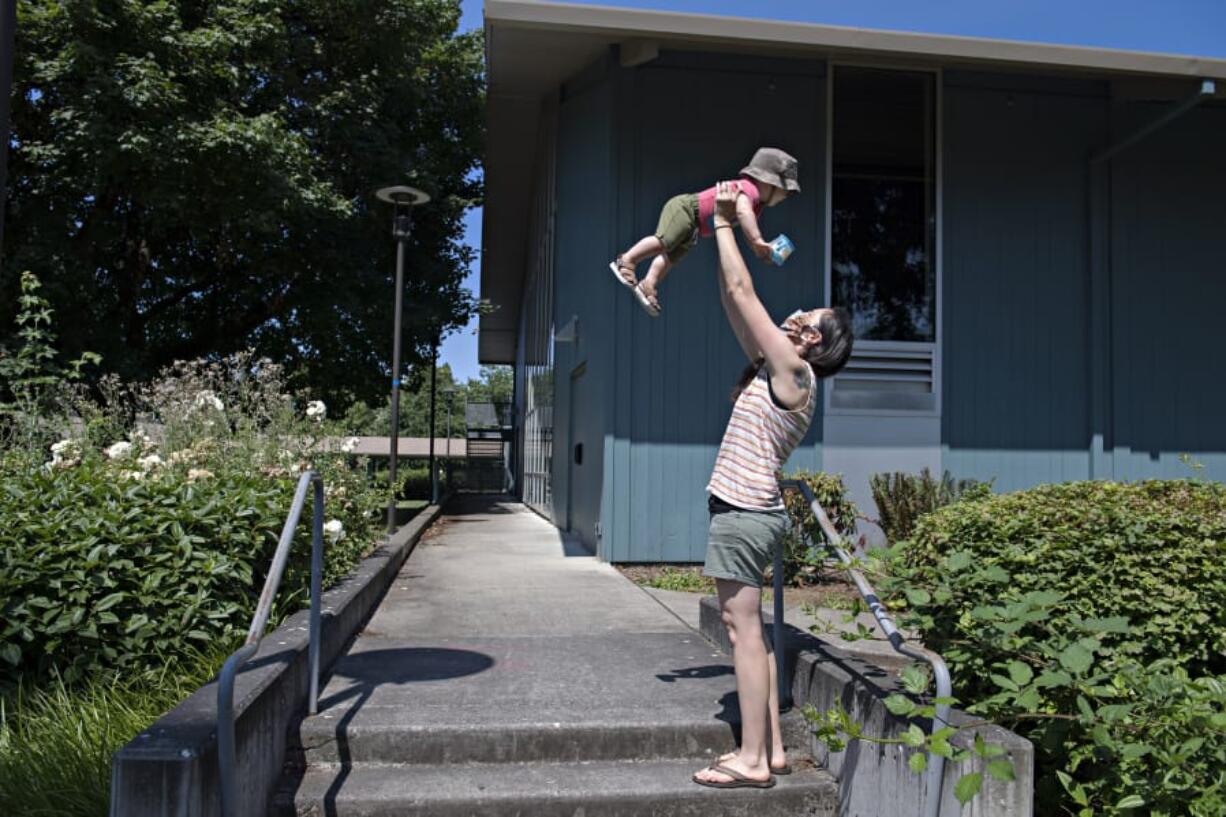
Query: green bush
(129,568)
(1086,616)
(104,569)
(415,483)
(799,564)
(903,498)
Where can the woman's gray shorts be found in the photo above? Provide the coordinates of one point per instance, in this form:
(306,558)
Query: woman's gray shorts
(742,543)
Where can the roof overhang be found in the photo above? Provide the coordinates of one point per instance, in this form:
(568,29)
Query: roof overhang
(533,47)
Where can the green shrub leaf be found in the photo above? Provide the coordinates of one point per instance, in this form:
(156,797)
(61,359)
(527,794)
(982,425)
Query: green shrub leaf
(899,704)
(1001,769)
(109,601)
(1076,658)
(1115,624)
(11,653)
(967,787)
(1020,673)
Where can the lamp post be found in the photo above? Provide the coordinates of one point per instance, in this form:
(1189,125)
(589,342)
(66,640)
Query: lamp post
(449,394)
(433,396)
(403,200)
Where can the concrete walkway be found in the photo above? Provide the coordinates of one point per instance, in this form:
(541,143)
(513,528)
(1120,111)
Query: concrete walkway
(506,672)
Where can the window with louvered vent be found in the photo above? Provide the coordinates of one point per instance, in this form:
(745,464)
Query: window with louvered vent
(884,375)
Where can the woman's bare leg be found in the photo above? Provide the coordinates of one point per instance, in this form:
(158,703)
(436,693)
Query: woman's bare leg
(776,755)
(741,610)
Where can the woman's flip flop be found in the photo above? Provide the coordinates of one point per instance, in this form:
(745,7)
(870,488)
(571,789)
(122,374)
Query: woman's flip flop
(781,771)
(738,781)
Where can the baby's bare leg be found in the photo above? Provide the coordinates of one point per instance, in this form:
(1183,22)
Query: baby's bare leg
(628,261)
(656,274)
(644,248)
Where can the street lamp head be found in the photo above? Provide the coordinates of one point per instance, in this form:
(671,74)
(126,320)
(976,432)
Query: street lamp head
(403,199)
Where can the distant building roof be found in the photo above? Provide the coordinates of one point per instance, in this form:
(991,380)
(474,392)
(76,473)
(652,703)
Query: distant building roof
(414,447)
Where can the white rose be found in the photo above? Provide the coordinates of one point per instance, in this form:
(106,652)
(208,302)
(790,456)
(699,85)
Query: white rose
(119,450)
(206,399)
(65,454)
(194,474)
(316,410)
(334,530)
(349,444)
(140,440)
(151,461)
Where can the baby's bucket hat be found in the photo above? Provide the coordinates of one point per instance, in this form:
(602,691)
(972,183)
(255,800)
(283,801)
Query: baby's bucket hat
(773,166)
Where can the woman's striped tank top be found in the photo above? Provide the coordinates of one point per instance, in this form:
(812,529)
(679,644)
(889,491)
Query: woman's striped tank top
(758,441)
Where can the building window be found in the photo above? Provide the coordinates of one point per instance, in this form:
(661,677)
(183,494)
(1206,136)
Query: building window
(883,202)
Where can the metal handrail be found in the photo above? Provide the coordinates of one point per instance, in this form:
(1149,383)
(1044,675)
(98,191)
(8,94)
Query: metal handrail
(940,672)
(225,683)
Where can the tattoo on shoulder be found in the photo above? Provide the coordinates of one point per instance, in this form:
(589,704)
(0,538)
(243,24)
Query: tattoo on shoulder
(803,378)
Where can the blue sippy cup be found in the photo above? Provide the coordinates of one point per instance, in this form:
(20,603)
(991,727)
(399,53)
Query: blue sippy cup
(781,248)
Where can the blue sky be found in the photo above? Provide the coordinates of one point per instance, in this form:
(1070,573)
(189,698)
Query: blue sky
(1174,26)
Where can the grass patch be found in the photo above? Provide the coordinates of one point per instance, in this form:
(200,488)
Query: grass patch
(682,579)
(56,740)
(834,601)
(411,504)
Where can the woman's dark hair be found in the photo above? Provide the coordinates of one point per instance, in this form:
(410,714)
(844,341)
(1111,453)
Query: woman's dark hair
(825,359)
(829,356)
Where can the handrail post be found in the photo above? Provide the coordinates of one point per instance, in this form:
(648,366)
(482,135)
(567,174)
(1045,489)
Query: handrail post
(230,670)
(940,671)
(317,573)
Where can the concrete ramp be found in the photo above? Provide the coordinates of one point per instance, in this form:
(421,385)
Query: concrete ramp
(507,673)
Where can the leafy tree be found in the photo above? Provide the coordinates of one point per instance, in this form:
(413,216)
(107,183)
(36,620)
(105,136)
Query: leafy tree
(497,385)
(494,385)
(196,177)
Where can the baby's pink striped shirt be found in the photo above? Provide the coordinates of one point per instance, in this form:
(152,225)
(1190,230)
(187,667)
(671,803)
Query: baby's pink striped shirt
(758,441)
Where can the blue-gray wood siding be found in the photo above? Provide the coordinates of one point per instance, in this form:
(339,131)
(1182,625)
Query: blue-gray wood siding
(682,124)
(1018,371)
(1015,341)
(583,233)
(1168,287)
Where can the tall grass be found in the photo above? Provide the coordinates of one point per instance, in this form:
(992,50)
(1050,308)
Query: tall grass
(56,740)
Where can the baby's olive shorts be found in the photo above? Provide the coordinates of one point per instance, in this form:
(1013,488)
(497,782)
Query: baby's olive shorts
(678,227)
(742,543)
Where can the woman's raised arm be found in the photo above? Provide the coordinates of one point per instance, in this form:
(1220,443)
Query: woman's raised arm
(790,374)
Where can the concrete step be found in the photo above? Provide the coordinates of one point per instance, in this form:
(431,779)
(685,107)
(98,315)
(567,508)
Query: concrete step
(659,788)
(394,735)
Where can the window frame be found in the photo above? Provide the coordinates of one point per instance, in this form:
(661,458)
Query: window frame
(880,403)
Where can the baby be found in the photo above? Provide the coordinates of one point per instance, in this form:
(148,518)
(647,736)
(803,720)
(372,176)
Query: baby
(767,180)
